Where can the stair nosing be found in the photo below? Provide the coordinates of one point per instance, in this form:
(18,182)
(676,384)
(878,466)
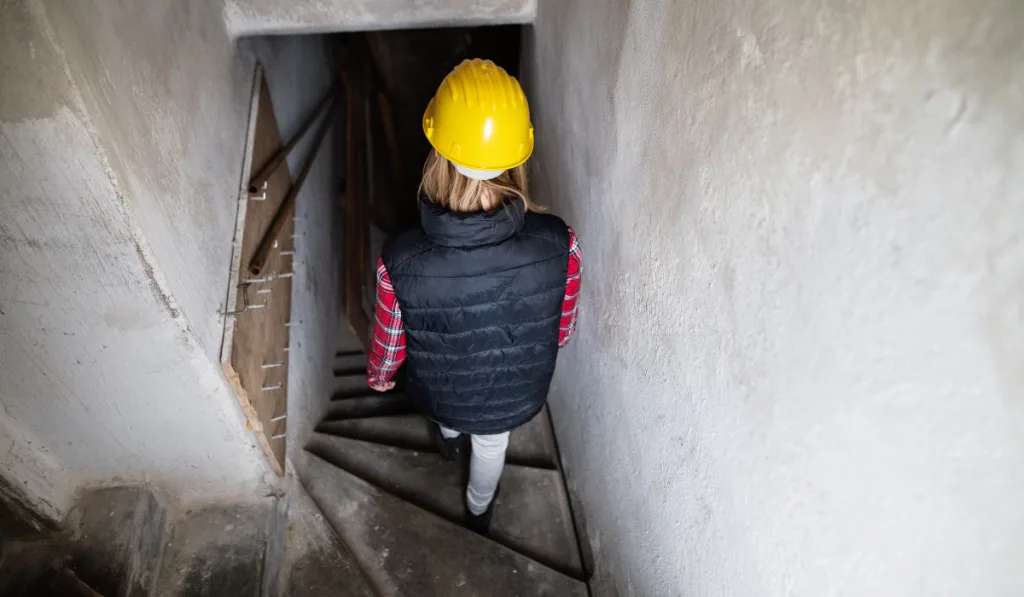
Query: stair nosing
(388,406)
(354,372)
(527,463)
(363,393)
(577,578)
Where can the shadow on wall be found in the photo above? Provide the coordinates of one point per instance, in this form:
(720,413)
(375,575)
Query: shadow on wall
(412,63)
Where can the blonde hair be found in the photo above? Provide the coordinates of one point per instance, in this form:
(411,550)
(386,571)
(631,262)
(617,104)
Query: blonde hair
(443,185)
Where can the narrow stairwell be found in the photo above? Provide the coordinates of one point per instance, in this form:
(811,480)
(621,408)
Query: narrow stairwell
(396,507)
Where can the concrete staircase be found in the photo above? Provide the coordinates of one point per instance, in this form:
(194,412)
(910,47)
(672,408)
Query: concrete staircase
(392,509)
(376,513)
(123,542)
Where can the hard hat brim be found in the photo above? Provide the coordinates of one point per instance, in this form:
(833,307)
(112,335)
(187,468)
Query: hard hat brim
(478,174)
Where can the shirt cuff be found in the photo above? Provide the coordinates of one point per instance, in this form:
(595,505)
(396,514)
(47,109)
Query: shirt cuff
(376,378)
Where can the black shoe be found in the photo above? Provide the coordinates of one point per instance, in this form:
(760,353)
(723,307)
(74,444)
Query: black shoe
(449,448)
(481,523)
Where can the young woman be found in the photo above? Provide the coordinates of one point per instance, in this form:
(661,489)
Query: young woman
(478,299)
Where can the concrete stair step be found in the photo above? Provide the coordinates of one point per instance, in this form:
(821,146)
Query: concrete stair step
(349,363)
(530,445)
(409,551)
(316,563)
(350,377)
(216,550)
(531,515)
(121,532)
(351,385)
(56,582)
(354,386)
(376,405)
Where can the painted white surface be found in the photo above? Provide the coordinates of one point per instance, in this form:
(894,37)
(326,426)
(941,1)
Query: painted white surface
(800,361)
(103,365)
(262,17)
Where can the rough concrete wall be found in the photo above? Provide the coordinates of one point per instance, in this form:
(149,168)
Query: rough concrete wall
(800,365)
(106,356)
(29,471)
(299,71)
(254,17)
(169,95)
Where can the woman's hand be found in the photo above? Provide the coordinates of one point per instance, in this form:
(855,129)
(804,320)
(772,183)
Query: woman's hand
(383,387)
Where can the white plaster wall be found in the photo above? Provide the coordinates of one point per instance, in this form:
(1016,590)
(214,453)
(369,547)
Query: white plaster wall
(256,17)
(800,362)
(104,376)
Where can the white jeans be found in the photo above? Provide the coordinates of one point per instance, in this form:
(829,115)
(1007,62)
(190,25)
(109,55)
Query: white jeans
(485,466)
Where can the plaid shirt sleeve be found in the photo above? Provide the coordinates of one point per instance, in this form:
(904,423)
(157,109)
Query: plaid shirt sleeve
(570,304)
(388,350)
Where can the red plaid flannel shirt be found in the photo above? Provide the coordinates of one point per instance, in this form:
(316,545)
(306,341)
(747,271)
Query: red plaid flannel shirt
(388,350)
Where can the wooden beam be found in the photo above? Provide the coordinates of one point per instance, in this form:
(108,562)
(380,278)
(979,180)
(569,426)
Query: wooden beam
(282,154)
(255,353)
(286,210)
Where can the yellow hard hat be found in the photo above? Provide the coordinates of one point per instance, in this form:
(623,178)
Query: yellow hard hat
(479,120)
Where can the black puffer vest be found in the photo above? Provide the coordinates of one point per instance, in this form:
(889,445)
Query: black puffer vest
(481,297)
